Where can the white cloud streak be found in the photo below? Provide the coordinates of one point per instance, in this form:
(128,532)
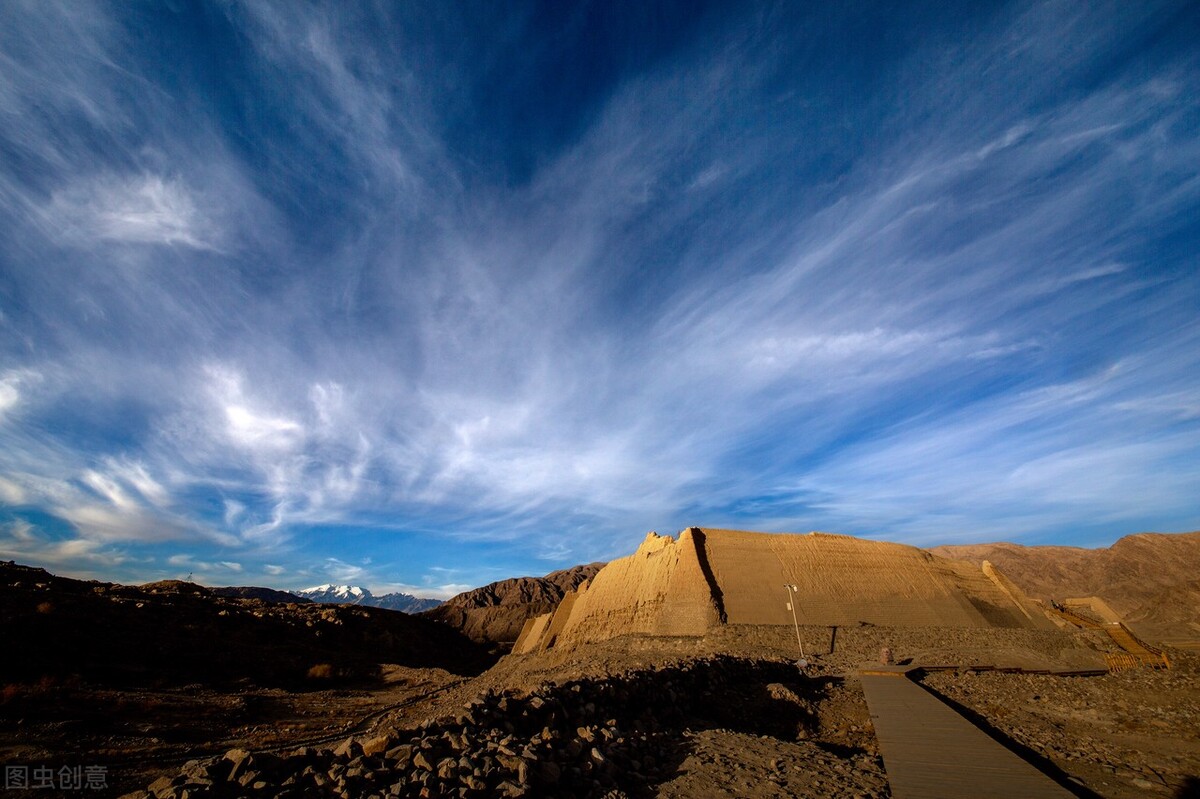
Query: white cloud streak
(141,209)
(950,337)
(10,394)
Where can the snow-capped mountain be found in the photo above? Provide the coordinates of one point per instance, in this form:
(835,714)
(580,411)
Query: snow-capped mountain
(354,595)
(337,594)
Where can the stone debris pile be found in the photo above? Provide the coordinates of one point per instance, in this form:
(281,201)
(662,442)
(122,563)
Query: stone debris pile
(586,738)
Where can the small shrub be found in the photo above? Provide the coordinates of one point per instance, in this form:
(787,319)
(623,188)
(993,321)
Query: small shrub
(321,671)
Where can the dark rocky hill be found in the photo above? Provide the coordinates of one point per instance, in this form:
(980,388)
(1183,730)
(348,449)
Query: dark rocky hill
(255,592)
(173,632)
(496,612)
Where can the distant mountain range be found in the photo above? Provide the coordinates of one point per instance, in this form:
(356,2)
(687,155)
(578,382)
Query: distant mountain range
(1151,579)
(354,595)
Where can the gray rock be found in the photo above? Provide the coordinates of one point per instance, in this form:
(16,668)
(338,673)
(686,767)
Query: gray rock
(509,762)
(238,760)
(377,744)
(400,755)
(348,749)
(511,790)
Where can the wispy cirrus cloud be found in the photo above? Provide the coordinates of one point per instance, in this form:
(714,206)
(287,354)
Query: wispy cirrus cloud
(1020,459)
(142,209)
(339,297)
(12,382)
(20,541)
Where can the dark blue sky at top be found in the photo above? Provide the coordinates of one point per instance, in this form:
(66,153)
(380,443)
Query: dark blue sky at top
(422,295)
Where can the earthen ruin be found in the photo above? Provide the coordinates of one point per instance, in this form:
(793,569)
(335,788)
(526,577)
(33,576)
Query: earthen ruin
(712,577)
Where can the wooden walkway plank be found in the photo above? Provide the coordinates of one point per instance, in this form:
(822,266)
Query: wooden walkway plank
(932,752)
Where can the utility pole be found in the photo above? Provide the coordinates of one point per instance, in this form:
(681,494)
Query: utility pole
(792,589)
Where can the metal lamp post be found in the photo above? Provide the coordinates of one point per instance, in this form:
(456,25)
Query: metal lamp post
(792,589)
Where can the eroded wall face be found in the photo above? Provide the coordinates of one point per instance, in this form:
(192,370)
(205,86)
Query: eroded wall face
(532,634)
(659,590)
(843,580)
(560,617)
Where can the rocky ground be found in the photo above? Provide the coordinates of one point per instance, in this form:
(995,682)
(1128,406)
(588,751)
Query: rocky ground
(1130,734)
(639,717)
(140,734)
(708,727)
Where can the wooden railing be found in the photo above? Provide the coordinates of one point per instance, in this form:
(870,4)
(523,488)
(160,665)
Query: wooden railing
(1146,655)
(1136,651)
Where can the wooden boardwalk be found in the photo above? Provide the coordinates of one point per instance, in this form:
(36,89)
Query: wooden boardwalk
(932,752)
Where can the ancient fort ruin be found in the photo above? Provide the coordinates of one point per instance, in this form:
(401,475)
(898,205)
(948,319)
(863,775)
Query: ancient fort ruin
(709,577)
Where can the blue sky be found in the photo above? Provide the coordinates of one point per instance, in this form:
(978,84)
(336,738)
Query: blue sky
(423,295)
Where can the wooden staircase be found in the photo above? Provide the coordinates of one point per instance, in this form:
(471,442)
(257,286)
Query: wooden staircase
(1136,652)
